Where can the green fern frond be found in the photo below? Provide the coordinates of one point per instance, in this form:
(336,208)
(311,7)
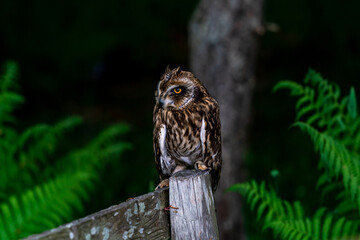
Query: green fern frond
(314,78)
(36,143)
(318,102)
(333,124)
(111,133)
(334,127)
(8,103)
(296,89)
(346,206)
(40,186)
(106,146)
(67,124)
(57,199)
(352,105)
(45,206)
(24,155)
(9,99)
(7,80)
(269,206)
(320,105)
(114,150)
(288,220)
(337,159)
(317,228)
(39,141)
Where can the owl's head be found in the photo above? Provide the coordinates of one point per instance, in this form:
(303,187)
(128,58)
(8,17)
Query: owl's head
(177,89)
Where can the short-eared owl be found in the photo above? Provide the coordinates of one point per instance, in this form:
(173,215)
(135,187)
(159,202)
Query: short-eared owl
(186,127)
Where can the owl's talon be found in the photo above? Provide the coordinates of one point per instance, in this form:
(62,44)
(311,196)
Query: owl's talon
(162,184)
(201,166)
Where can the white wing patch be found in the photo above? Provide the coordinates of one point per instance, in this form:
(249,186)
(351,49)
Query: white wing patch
(202,135)
(165,159)
(187,160)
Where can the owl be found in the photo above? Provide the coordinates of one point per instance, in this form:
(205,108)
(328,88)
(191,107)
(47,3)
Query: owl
(186,127)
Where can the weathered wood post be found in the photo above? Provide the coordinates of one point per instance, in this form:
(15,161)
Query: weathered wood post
(192,215)
(140,218)
(192,207)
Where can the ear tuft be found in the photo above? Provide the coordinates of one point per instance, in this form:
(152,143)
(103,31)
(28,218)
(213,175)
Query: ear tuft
(167,69)
(177,70)
(168,73)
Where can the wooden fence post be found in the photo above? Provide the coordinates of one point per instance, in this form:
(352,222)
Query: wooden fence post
(140,218)
(192,207)
(192,215)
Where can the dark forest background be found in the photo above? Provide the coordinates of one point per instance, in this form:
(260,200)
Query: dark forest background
(102,60)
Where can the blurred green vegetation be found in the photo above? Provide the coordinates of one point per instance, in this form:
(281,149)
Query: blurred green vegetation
(313,34)
(101,60)
(333,124)
(44,182)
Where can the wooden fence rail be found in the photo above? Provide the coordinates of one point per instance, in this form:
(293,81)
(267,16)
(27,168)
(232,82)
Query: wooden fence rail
(191,212)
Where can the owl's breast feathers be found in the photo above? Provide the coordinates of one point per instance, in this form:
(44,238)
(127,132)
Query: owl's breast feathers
(182,137)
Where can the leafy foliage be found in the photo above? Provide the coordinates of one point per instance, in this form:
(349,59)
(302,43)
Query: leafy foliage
(288,219)
(333,124)
(38,189)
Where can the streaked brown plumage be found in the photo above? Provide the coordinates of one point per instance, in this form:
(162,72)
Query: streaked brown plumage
(186,126)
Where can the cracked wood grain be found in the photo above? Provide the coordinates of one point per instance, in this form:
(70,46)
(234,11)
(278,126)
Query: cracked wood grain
(192,207)
(140,218)
(192,215)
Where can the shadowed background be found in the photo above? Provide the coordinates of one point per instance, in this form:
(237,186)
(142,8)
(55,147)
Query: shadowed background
(102,60)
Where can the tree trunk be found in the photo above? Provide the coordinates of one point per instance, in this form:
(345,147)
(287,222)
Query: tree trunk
(223,49)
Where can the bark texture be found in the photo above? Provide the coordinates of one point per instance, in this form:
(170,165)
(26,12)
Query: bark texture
(223,37)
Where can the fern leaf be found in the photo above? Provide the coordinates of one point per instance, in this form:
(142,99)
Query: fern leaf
(307,98)
(288,230)
(296,89)
(290,222)
(309,225)
(9,223)
(298,209)
(326,228)
(45,205)
(313,78)
(9,100)
(315,228)
(33,197)
(352,104)
(254,201)
(3,234)
(267,203)
(338,227)
(115,149)
(336,156)
(314,118)
(303,111)
(110,133)
(261,210)
(7,80)
(67,124)
(322,180)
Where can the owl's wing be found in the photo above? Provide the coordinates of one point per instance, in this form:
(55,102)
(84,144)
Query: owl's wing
(157,151)
(213,142)
(162,159)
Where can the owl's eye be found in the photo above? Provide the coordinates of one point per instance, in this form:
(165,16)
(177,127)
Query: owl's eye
(177,90)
